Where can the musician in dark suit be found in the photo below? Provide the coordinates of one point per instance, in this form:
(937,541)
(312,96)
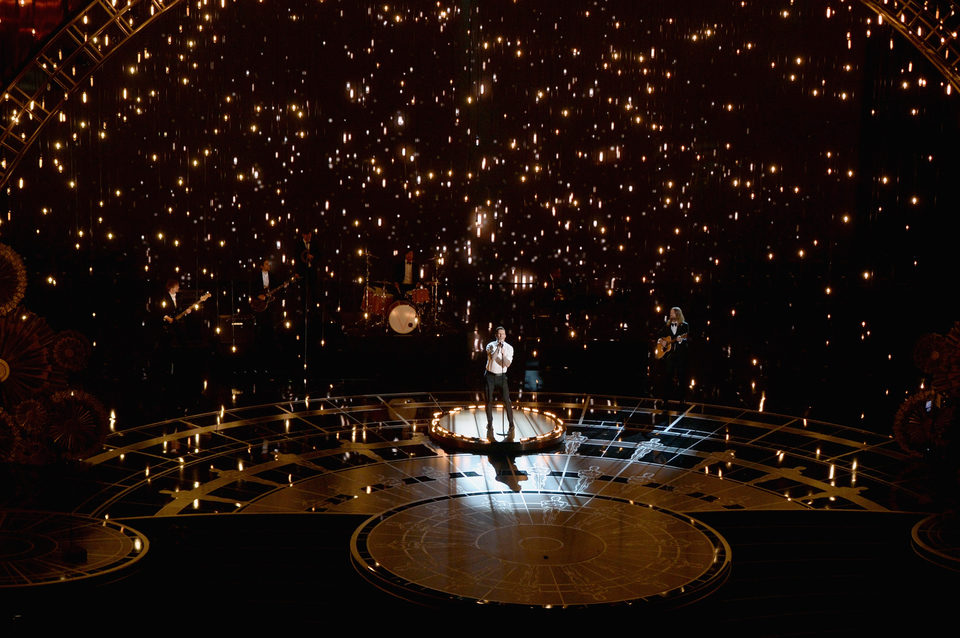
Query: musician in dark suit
(263,280)
(674,368)
(166,332)
(306,266)
(170,365)
(265,312)
(167,304)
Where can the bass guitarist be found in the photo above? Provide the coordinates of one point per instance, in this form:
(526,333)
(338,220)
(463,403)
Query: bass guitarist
(177,362)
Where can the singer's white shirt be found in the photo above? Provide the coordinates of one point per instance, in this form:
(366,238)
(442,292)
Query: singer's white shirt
(499,361)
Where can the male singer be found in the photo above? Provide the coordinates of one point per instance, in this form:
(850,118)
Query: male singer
(499,358)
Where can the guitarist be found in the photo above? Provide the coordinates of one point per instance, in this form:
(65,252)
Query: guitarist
(168,302)
(673,367)
(265,320)
(172,366)
(262,280)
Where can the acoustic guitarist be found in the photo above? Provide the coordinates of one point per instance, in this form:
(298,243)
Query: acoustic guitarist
(672,355)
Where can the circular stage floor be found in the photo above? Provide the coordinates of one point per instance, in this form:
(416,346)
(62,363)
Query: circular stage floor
(40,548)
(540,549)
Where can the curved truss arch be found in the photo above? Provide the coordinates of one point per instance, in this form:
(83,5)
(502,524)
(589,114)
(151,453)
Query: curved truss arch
(931,27)
(61,66)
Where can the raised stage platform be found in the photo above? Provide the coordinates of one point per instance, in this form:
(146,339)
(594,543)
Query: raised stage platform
(466,428)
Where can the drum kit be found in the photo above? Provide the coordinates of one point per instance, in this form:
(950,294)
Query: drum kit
(400,307)
(385,305)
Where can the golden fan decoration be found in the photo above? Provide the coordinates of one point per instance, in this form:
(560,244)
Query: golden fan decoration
(13,279)
(35,449)
(71,350)
(25,361)
(11,437)
(32,445)
(78,423)
(928,352)
(921,423)
(31,415)
(946,377)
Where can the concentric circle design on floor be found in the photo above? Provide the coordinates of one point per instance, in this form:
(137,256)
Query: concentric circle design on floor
(38,548)
(937,539)
(540,549)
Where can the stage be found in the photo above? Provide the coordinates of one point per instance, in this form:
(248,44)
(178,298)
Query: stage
(633,509)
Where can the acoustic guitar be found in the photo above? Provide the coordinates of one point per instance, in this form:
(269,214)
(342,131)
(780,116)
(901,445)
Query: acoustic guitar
(665,345)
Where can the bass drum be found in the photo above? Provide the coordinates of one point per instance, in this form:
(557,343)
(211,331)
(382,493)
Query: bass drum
(402,317)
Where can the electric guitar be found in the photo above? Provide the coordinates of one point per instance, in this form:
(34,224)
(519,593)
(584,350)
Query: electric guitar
(665,345)
(194,306)
(260,303)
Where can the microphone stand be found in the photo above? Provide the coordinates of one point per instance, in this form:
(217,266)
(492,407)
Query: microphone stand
(503,391)
(306,327)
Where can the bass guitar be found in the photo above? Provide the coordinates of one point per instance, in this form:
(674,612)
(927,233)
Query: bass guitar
(186,311)
(260,302)
(665,345)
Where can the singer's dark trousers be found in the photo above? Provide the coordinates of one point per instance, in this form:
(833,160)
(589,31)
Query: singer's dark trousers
(494,381)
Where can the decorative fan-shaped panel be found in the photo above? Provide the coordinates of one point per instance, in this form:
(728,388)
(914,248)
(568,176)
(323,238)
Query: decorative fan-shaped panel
(921,422)
(71,350)
(946,377)
(13,279)
(77,423)
(928,352)
(31,415)
(25,369)
(11,436)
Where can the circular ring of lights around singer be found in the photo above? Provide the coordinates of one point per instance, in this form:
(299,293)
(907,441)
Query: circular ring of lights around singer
(460,429)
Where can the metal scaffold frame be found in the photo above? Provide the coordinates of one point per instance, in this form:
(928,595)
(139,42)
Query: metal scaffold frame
(61,67)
